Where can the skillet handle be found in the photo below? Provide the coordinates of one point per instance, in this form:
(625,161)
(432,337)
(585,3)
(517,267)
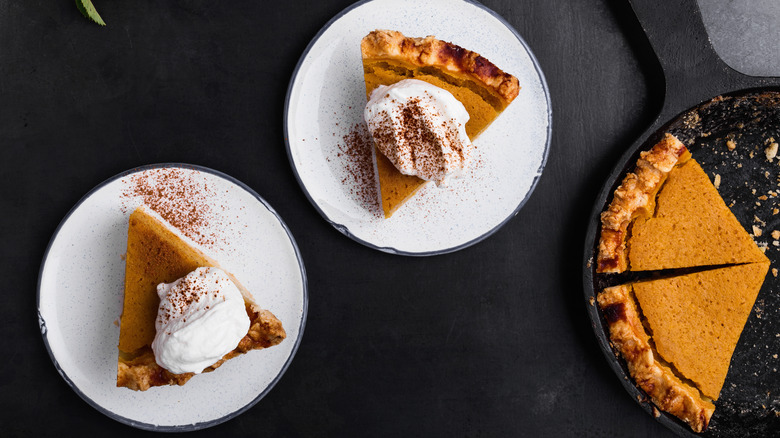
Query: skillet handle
(693,70)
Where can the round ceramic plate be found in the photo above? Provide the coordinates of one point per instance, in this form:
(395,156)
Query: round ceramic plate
(80,294)
(324,121)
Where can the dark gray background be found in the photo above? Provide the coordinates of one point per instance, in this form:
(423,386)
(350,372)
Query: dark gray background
(493,340)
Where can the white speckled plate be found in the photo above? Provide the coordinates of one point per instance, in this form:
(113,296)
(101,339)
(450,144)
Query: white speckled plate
(325,103)
(80,301)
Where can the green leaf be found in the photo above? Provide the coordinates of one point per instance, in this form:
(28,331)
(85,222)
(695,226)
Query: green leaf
(89,11)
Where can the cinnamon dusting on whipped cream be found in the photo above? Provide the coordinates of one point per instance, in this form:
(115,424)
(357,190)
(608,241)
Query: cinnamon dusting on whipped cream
(421,128)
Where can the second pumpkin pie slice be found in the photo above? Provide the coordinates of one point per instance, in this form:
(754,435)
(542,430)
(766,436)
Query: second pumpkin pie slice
(483,89)
(678,334)
(691,226)
(697,319)
(156,254)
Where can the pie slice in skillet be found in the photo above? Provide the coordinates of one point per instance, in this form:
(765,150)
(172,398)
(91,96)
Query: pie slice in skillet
(678,333)
(629,337)
(691,226)
(668,215)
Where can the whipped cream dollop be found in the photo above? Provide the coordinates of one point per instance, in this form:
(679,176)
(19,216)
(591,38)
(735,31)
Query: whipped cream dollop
(420,128)
(201,318)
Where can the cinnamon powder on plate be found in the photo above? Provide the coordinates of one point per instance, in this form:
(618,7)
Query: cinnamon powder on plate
(179,196)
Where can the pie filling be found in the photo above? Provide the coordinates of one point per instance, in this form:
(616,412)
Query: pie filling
(669,234)
(482,105)
(397,187)
(656,356)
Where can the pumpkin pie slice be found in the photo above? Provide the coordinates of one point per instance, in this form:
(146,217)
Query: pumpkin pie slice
(156,254)
(678,334)
(692,226)
(667,214)
(630,338)
(696,319)
(484,90)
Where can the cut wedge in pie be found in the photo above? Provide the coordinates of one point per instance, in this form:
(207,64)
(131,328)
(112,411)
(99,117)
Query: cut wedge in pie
(484,90)
(677,334)
(695,321)
(156,254)
(692,226)
(668,215)
(629,337)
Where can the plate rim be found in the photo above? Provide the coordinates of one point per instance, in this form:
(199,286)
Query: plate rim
(191,426)
(343,228)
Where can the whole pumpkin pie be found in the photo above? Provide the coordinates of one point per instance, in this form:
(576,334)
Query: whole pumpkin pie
(483,89)
(156,254)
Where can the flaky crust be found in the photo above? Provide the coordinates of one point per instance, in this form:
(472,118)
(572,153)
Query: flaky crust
(447,56)
(630,339)
(142,372)
(634,197)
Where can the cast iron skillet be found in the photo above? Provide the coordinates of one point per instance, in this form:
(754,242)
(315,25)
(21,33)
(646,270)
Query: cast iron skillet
(746,111)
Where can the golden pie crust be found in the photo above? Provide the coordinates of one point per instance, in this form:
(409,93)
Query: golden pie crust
(446,57)
(655,378)
(633,198)
(484,89)
(155,254)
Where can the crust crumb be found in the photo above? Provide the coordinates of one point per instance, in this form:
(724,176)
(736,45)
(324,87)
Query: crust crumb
(771,151)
